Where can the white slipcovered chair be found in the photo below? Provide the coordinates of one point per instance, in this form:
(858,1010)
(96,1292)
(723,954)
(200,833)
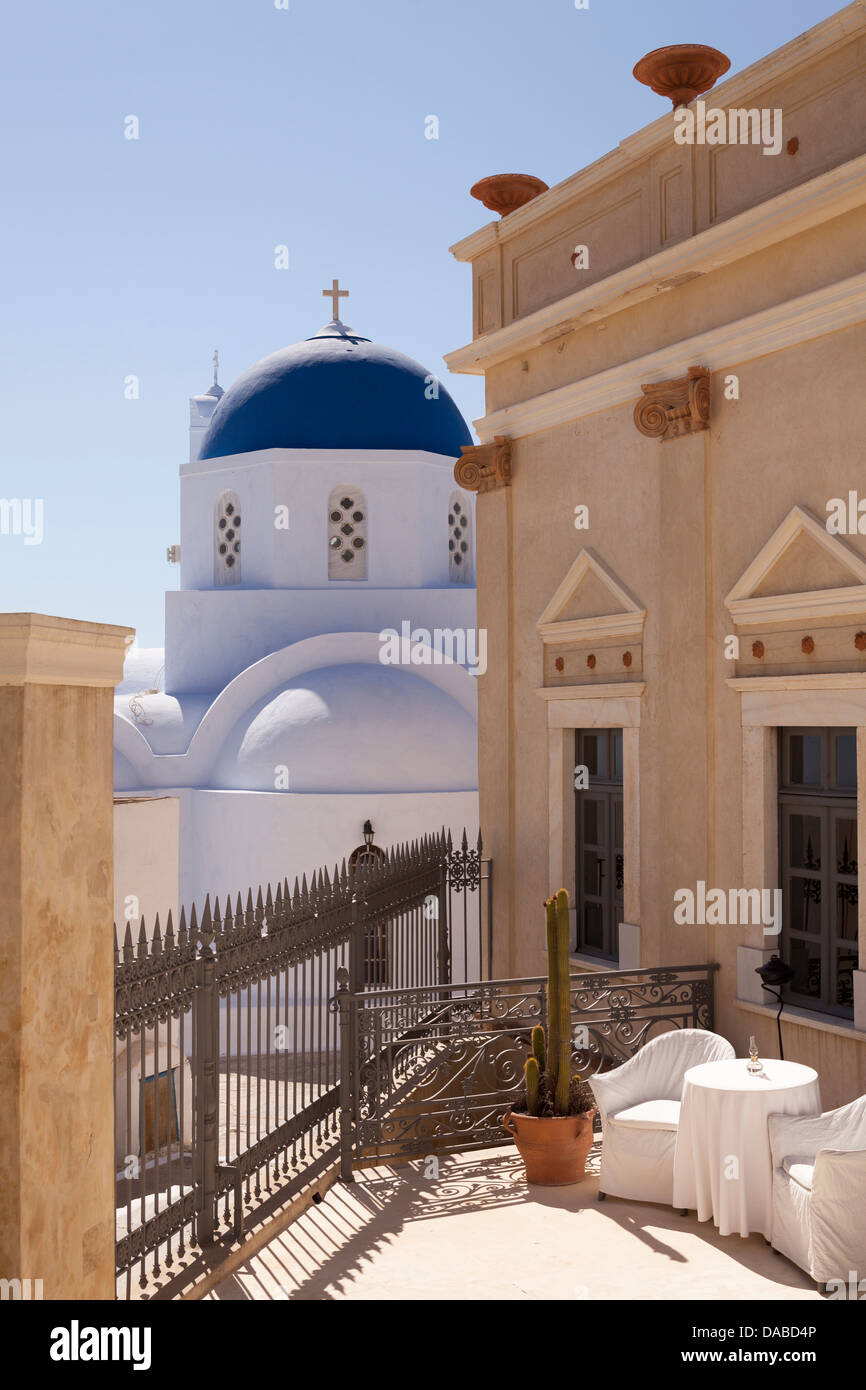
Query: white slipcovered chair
(639,1105)
(819,1191)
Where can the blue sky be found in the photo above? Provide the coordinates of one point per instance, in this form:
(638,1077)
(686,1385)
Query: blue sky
(260,127)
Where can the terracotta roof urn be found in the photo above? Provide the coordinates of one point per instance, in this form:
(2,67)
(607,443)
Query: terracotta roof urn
(682,71)
(503,193)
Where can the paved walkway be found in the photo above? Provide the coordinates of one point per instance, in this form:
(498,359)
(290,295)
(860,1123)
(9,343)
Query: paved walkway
(477,1232)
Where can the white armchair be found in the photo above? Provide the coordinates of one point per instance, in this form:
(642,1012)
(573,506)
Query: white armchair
(639,1105)
(819,1191)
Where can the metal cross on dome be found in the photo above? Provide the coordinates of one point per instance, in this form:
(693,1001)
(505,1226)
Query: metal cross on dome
(335,294)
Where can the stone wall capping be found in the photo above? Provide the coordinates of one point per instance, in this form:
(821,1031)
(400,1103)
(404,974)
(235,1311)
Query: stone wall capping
(36,648)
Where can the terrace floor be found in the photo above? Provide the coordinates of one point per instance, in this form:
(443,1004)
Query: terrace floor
(478,1232)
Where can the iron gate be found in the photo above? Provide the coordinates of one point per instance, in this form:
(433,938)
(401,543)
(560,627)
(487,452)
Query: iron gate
(228,1055)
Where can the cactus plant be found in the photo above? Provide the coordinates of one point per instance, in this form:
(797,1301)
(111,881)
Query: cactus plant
(533,1080)
(550,1087)
(559,966)
(552,1125)
(539,1046)
(554,979)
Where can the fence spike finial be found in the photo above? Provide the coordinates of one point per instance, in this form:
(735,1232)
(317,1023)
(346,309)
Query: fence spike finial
(182,934)
(168,940)
(156,944)
(142,940)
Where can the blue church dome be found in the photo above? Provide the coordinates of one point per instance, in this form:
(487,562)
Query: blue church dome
(337,390)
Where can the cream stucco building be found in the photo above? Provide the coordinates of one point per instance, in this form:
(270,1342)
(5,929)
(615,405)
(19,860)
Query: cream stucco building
(696,637)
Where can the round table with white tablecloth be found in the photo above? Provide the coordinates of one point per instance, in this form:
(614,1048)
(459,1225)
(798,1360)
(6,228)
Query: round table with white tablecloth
(722,1164)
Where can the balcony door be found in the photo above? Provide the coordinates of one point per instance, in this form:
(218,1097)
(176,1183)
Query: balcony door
(818,832)
(598,823)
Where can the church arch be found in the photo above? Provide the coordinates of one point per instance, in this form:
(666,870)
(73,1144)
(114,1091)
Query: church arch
(227,539)
(347,533)
(459,539)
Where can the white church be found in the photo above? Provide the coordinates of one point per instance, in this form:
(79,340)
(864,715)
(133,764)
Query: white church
(319,517)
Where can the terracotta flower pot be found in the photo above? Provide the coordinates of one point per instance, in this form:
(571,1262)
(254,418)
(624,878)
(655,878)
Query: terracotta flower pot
(682,71)
(553,1148)
(504,193)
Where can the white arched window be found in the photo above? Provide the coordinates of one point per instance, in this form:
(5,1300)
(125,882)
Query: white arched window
(459,539)
(347,534)
(227,539)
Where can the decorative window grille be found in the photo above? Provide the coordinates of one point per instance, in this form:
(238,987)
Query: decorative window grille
(347,534)
(459,539)
(227,540)
(818,860)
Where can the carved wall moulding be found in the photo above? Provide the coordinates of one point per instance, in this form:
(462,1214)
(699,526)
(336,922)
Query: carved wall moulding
(669,409)
(484,467)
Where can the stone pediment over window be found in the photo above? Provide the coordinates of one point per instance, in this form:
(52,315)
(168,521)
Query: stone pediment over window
(590,602)
(803,574)
(592,628)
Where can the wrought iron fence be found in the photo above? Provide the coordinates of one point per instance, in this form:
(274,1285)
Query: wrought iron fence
(229,1059)
(434,1069)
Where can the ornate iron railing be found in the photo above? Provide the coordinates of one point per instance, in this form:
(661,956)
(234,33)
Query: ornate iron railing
(435,1069)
